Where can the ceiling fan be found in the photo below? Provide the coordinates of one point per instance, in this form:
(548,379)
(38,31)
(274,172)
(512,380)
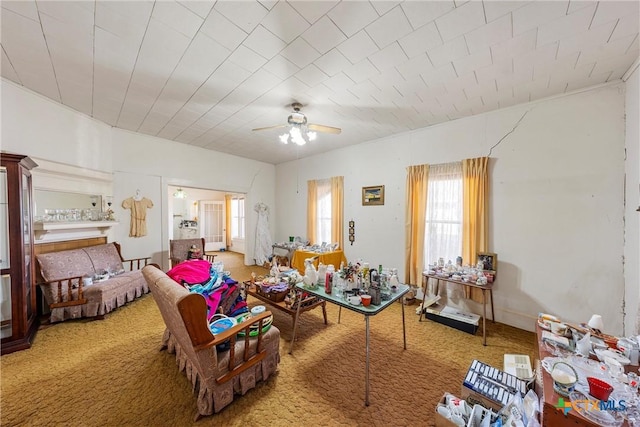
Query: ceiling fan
(300,131)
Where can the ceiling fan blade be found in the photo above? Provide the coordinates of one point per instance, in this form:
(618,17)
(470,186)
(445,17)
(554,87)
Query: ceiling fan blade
(323,128)
(272,127)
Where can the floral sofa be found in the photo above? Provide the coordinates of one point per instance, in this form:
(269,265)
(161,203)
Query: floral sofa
(219,366)
(71,297)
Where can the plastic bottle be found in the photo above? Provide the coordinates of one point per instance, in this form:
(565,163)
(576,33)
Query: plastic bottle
(328,280)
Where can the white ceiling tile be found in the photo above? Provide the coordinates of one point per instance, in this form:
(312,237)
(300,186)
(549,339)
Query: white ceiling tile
(536,13)
(490,72)
(300,53)
(245,14)
(353,16)
(8,72)
(323,35)
(128,23)
(494,32)
(390,56)
(200,8)
(285,22)
(74,13)
(269,4)
(389,28)
(565,26)
(458,84)
(361,71)
(461,20)
(411,87)
(516,46)
(439,75)
(498,9)
(313,10)
(584,40)
(579,4)
(247,59)
(626,26)
(468,63)
(420,13)
(77,36)
(614,10)
(311,75)
(339,82)
(223,31)
(448,52)
(560,65)
(545,54)
(616,62)
(27,9)
(563,74)
(414,66)
(384,6)
(178,17)
(332,62)
(264,43)
(358,47)
(388,77)
(421,40)
(23,42)
(281,67)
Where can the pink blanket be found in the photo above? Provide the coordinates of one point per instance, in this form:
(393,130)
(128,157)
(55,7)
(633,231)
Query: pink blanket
(192,271)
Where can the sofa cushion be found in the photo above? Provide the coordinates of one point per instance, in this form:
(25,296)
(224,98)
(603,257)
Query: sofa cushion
(63,264)
(105,257)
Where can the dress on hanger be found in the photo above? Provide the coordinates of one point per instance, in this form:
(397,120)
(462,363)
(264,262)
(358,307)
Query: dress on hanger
(263,247)
(138,227)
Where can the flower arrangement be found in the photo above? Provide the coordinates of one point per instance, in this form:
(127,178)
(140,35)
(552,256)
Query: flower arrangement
(350,271)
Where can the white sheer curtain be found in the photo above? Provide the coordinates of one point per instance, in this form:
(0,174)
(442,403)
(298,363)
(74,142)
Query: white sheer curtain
(443,228)
(323,206)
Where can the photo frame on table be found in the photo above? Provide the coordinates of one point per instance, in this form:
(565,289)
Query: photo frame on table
(489,260)
(372,196)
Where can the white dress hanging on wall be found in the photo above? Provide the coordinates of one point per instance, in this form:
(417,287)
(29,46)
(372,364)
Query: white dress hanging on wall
(263,238)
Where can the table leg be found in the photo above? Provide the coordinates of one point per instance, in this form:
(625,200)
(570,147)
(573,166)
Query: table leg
(484,317)
(324,311)
(425,285)
(366,373)
(404,332)
(295,321)
(339,313)
(493,313)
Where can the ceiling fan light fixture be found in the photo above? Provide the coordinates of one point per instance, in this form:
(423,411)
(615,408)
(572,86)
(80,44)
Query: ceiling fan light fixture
(284,138)
(312,135)
(180,194)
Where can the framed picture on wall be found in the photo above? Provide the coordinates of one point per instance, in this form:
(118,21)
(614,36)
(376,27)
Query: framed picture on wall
(489,261)
(372,196)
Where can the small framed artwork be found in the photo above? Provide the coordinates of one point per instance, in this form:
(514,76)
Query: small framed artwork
(489,261)
(372,196)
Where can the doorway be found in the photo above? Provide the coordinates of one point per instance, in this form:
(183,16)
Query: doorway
(197,212)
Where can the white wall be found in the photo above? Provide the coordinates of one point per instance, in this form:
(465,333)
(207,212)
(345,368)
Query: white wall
(39,127)
(632,197)
(556,200)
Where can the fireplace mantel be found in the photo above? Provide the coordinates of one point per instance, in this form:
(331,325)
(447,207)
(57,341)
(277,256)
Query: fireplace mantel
(46,232)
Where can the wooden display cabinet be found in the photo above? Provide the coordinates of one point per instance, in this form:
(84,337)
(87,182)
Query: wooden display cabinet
(19,320)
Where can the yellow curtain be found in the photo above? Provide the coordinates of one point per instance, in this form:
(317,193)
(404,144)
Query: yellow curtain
(227,222)
(416,203)
(475,211)
(337,210)
(312,208)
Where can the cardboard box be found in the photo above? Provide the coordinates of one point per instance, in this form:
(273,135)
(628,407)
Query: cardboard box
(466,322)
(440,420)
(474,398)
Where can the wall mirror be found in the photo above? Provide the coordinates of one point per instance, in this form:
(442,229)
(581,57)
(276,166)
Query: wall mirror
(48,199)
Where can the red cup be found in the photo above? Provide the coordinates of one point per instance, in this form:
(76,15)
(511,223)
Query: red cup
(366,299)
(599,389)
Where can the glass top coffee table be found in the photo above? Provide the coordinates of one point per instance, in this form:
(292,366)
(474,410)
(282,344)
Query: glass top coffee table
(368,311)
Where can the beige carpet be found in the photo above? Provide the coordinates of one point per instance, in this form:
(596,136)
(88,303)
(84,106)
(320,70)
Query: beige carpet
(111,372)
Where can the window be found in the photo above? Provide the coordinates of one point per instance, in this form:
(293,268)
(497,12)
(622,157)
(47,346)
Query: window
(443,227)
(323,212)
(237,218)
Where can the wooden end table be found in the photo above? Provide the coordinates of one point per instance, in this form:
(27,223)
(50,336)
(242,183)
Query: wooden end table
(306,304)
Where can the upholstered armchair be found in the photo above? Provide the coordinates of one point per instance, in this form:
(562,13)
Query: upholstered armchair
(179,250)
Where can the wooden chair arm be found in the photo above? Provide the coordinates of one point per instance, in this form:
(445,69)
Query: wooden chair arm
(140,263)
(70,282)
(193,310)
